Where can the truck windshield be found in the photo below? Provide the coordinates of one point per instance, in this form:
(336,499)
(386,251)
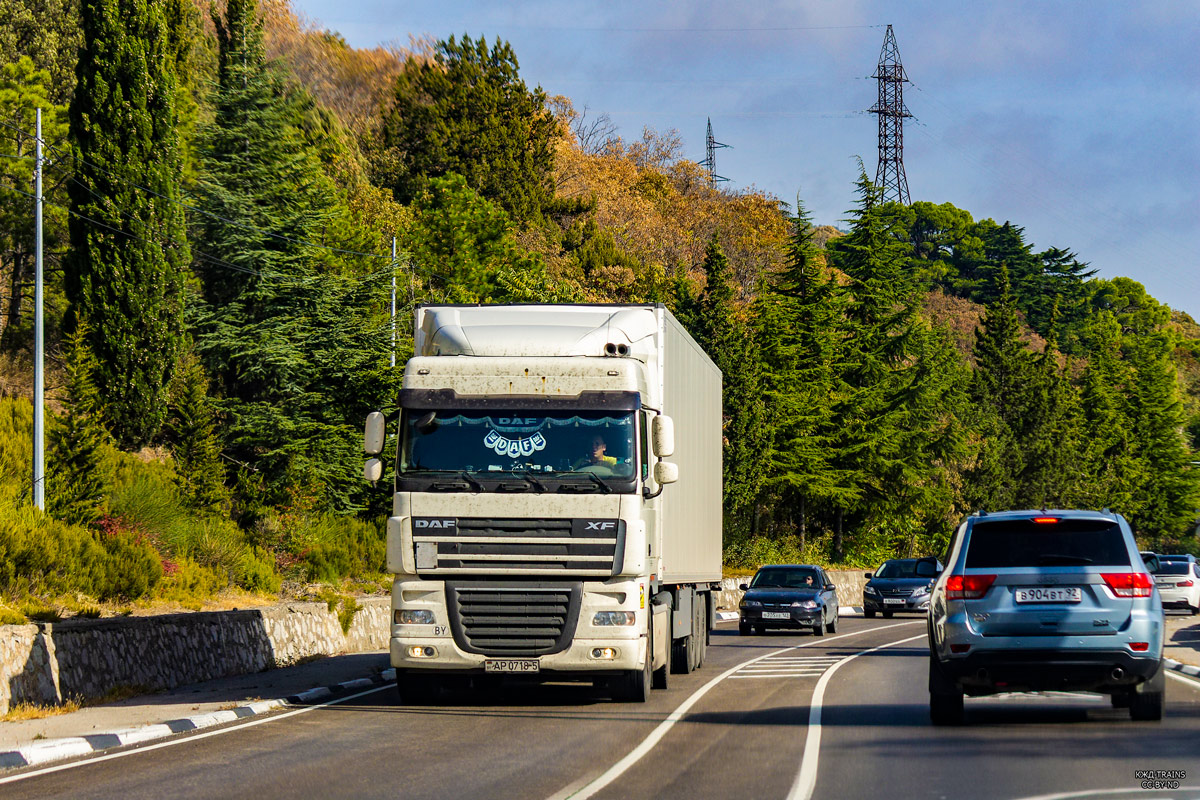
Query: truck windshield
(590,450)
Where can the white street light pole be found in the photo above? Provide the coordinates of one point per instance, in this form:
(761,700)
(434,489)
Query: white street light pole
(39,465)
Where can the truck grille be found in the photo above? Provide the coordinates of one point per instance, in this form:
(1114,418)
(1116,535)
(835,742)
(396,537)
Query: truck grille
(494,619)
(463,545)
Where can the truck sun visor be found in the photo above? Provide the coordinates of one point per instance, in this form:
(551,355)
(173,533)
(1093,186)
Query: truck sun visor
(584,401)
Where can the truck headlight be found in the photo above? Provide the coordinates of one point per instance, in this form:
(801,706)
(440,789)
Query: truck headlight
(614,618)
(412,616)
(805,604)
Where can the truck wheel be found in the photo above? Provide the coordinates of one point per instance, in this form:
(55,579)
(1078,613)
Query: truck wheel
(662,675)
(700,630)
(681,656)
(417,689)
(634,685)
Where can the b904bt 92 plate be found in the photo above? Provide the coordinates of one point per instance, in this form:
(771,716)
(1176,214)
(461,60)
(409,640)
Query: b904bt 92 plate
(1050,594)
(523,665)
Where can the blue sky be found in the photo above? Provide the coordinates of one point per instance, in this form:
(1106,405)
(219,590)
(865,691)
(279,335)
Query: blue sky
(1079,121)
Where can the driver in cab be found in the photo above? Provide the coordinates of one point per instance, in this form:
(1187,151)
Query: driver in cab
(598,456)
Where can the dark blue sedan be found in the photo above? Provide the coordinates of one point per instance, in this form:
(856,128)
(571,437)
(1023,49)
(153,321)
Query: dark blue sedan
(896,586)
(789,596)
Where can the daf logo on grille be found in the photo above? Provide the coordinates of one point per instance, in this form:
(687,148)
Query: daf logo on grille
(601,526)
(434,523)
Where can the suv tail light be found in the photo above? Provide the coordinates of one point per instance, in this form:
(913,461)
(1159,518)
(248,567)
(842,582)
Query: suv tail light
(968,587)
(1129,584)
(1184,583)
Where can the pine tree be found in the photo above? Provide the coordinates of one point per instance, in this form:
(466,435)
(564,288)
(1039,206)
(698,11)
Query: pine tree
(124,276)
(78,483)
(468,111)
(292,341)
(191,430)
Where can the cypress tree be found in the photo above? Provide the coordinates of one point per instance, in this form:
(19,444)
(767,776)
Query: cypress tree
(78,485)
(124,274)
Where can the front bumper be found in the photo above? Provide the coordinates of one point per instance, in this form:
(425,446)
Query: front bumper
(576,659)
(875,603)
(800,618)
(992,671)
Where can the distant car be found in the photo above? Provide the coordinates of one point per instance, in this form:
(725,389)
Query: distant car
(789,596)
(1178,580)
(1042,601)
(895,586)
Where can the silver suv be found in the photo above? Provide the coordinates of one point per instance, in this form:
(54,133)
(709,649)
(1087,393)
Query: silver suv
(1045,601)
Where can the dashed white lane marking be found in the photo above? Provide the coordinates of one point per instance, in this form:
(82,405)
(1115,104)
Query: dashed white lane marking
(618,769)
(806,778)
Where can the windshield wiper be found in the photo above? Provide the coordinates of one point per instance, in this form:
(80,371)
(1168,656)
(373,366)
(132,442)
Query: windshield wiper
(474,483)
(527,475)
(604,487)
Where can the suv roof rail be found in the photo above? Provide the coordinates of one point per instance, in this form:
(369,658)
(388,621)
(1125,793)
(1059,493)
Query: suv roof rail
(982,512)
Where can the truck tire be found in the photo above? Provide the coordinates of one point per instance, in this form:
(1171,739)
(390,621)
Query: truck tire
(700,632)
(662,675)
(415,689)
(634,685)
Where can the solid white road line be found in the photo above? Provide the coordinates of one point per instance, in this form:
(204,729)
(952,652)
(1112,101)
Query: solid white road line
(656,735)
(185,739)
(806,778)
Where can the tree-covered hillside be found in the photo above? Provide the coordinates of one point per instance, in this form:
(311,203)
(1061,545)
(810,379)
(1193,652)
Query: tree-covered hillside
(224,186)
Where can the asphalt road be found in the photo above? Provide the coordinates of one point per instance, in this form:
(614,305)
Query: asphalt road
(774,716)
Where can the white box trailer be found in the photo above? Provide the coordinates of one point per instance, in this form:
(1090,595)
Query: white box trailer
(538,527)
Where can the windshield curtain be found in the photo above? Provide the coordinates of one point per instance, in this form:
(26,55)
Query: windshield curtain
(496,443)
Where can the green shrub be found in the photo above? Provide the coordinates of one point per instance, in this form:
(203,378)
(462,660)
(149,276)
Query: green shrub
(258,573)
(344,547)
(189,582)
(133,568)
(9,616)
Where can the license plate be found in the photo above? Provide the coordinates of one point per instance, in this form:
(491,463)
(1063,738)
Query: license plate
(512,665)
(776,615)
(893,601)
(1042,594)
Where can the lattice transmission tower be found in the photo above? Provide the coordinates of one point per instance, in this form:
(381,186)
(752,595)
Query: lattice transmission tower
(710,158)
(889,175)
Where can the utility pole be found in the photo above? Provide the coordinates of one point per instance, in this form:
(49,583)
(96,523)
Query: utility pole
(39,444)
(710,158)
(393,301)
(889,175)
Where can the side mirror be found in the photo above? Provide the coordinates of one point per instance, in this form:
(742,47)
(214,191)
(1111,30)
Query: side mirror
(744,587)
(868,575)
(374,435)
(926,568)
(829,587)
(666,472)
(662,431)
(373,471)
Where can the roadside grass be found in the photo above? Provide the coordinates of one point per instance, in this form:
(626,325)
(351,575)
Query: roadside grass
(20,712)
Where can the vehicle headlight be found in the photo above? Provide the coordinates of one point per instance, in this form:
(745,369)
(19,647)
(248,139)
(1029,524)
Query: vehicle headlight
(751,604)
(870,590)
(920,590)
(412,616)
(805,604)
(614,618)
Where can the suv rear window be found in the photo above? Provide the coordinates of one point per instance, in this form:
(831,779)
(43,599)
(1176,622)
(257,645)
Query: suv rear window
(1066,543)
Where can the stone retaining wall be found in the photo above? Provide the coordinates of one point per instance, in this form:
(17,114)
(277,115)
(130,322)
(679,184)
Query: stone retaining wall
(47,663)
(849,583)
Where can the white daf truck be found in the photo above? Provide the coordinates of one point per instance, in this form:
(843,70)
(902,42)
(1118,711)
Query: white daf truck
(537,528)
